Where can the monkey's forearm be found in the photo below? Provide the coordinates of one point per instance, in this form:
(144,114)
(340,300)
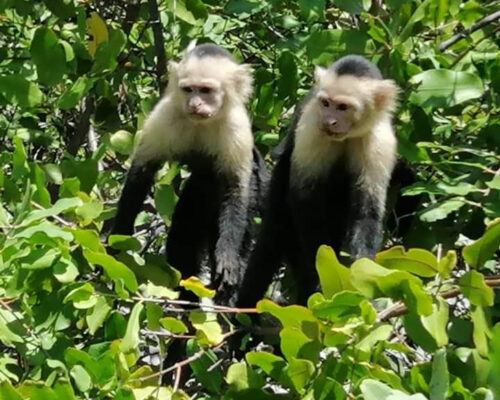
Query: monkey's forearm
(139,180)
(232,227)
(365,226)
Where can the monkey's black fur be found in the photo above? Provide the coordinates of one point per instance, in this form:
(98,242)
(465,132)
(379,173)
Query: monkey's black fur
(197,220)
(333,211)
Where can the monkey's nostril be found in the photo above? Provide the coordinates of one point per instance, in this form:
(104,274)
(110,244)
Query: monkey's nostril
(333,123)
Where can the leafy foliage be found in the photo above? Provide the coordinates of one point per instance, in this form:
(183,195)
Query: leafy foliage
(86,318)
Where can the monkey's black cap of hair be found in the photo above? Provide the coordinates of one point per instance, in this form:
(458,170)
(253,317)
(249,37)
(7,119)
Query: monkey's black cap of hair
(210,50)
(357,66)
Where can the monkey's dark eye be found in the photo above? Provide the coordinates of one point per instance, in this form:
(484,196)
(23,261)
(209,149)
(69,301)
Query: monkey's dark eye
(342,107)
(205,90)
(187,89)
(325,103)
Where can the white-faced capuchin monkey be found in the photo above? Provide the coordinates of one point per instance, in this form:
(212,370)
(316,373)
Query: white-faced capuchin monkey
(329,185)
(202,122)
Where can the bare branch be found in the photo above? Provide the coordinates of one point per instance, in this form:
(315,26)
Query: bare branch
(461,35)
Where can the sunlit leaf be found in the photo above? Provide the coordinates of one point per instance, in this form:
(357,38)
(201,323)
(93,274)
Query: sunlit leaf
(445,88)
(473,286)
(333,276)
(48,55)
(483,249)
(131,340)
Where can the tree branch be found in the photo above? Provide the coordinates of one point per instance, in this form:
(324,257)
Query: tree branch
(478,25)
(400,308)
(161,61)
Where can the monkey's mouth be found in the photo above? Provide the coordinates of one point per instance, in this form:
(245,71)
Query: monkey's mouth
(200,115)
(335,135)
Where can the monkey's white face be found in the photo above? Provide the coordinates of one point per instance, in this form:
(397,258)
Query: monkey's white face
(203,98)
(338,114)
(348,106)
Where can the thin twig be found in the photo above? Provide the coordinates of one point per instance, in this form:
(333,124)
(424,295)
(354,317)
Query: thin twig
(399,308)
(57,218)
(187,361)
(461,35)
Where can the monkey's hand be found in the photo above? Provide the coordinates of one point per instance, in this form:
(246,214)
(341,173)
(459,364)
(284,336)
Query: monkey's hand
(227,270)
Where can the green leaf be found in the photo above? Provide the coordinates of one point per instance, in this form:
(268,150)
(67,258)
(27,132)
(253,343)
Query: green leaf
(447,264)
(441,210)
(20,168)
(173,325)
(64,9)
(124,242)
(333,276)
(287,85)
(95,318)
(270,363)
(437,322)
(312,10)
(481,332)
(377,334)
(40,258)
(297,317)
(82,379)
(65,270)
(299,372)
(60,206)
(494,356)
(324,46)
(17,90)
(417,16)
(240,377)
(88,239)
(296,344)
(483,249)
(208,328)
(341,306)
(353,6)
(244,8)
(438,386)
(106,55)
(445,88)
(196,286)
(417,261)
(374,390)
(473,286)
(131,340)
(82,297)
(7,392)
(165,201)
(210,378)
(47,229)
(374,280)
(72,96)
(48,56)
(193,12)
(115,269)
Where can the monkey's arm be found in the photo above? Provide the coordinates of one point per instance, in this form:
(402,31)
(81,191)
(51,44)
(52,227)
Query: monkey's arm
(269,249)
(139,180)
(232,225)
(364,234)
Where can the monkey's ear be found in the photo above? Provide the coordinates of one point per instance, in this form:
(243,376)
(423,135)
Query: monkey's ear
(243,81)
(173,66)
(319,72)
(385,95)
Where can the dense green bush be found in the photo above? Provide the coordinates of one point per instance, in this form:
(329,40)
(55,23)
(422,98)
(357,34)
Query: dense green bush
(76,82)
